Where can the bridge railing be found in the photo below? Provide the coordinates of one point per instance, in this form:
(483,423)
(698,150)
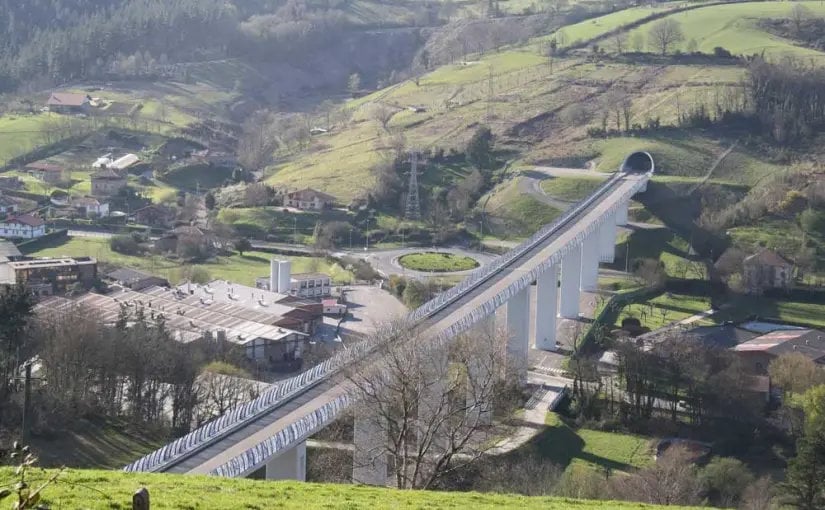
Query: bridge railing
(281,392)
(484,272)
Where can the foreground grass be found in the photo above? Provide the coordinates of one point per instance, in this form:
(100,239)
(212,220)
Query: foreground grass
(113,490)
(241,269)
(513,214)
(437,262)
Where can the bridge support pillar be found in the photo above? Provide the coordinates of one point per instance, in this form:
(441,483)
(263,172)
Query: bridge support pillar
(607,239)
(571,266)
(518,330)
(621,213)
(290,465)
(590,261)
(547,291)
(369,458)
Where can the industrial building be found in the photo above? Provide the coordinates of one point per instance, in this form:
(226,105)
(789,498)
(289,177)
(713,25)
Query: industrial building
(305,285)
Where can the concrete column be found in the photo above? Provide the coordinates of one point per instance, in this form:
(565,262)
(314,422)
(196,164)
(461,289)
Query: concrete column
(571,266)
(590,261)
(290,465)
(547,291)
(369,460)
(607,239)
(621,213)
(518,330)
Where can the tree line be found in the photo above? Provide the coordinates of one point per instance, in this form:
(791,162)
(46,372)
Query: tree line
(134,368)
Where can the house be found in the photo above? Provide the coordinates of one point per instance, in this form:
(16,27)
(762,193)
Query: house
(47,276)
(91,207)
(303,285)
(8,205)
(23,226)
(124,162)
(309,200)
(107,182)
(765,270)
(333,307)
(198,239)
(135,280)
(760,351)
(46,172)
(154,215)
(68,102)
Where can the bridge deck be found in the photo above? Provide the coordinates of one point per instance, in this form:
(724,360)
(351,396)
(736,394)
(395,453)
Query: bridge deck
(232,445)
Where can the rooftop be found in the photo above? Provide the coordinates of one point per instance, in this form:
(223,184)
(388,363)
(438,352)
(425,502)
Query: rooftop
(44,166)
(808,342)
(128,276)
(107,174)
(239,295)
(768,257)
(724,336)
(309,276)
(24,219)
(311,194)
(8,251)
(61,262)
(67,99)
(189,316)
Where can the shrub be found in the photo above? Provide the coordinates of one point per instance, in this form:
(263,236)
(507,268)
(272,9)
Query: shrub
(721,52)
(125,244)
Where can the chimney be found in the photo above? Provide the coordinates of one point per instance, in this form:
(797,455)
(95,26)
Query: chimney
(284,277)
(273,275)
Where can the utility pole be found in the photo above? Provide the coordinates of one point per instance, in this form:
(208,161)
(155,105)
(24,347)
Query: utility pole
(413,211)
(488,116)
(27,393)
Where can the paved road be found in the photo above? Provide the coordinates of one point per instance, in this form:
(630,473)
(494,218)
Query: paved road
(386,261)
(253,433)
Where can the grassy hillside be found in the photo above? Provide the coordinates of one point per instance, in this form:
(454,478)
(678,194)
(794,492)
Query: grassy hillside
(113,490)
(242,269)
(734,27)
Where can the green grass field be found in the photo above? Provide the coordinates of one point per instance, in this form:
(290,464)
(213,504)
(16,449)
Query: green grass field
(576,447)
(112,490)
(20,134)
(664,309)
(510,213)
(437,262)
(734,27)
(592,28)
(241,269)
(570,188)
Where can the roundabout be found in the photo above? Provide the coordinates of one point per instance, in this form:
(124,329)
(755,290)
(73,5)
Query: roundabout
(437,262)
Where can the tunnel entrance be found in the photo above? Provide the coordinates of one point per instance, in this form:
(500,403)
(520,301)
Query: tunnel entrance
(638,162)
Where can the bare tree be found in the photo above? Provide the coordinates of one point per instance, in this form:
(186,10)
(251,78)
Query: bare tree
(665,34)
(671,481)
(620,41)
(221,387)
(429,404)
(382,114)
(758,495)
(799,14)
(257,142)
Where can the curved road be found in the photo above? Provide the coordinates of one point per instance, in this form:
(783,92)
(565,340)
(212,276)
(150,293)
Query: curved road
(530,183)
(386,261)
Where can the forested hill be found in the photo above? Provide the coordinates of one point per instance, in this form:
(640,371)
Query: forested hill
(45,42)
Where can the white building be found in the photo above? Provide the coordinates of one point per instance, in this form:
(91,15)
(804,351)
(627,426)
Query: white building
(305,285)
(91,207)
(24,226)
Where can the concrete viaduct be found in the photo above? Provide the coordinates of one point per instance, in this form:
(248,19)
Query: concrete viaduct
(267,435)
